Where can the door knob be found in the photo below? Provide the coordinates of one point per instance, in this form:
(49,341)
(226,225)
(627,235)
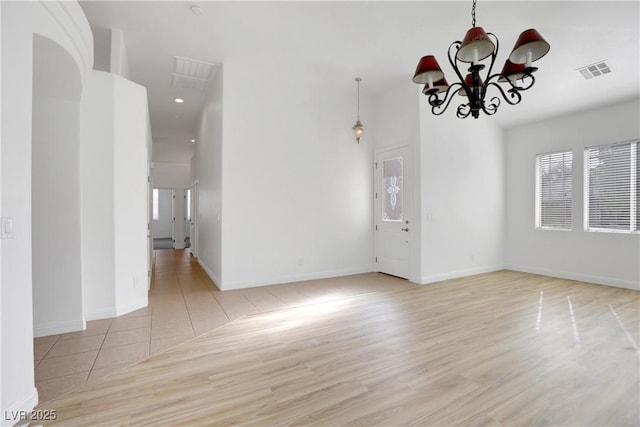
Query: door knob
(404,229)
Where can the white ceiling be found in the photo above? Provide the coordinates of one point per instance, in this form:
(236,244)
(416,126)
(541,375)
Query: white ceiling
(381,41)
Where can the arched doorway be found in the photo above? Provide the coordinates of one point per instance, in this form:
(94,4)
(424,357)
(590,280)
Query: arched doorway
(55,190)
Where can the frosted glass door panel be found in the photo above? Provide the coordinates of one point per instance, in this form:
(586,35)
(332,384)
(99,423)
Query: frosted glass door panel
(392,193)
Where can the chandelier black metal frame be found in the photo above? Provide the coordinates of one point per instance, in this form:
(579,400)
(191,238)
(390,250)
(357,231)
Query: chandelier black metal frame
(516,75)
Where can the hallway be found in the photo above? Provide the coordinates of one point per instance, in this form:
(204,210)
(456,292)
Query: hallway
(183,303)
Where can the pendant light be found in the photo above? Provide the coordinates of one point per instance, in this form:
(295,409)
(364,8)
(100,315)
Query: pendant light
(358,128)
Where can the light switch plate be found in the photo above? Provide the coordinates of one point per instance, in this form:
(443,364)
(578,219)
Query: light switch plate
(6,228)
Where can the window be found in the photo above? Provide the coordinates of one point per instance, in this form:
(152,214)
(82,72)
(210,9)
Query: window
(612,187)
(554,190)
(156,214)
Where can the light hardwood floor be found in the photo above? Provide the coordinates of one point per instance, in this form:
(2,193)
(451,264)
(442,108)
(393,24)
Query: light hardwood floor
(183,303)
(502,348)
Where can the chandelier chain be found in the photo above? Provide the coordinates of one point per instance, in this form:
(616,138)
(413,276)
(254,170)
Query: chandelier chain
(473,14)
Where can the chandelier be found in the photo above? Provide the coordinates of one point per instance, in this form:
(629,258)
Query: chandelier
(477,46)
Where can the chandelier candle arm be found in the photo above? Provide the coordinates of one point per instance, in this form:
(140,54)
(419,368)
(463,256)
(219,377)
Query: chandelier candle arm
(478,46)
(438,106)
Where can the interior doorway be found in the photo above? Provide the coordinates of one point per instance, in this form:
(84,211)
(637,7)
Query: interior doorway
(187,218)
(172,218)
(56,263)
(163,223)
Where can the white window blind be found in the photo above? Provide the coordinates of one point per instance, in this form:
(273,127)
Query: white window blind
(554,193)
(612,187)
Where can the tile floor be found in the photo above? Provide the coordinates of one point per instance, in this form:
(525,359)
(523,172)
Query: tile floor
(183,303)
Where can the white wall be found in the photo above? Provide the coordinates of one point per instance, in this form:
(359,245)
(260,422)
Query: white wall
(119,63)
(208,173)
(193,164)
(131,119)
(114,224)
(1,317)
(55,186)
(171,175)
(296,187)
(605,258)
(64,23)
(97,188)
(289,196)
(463,208)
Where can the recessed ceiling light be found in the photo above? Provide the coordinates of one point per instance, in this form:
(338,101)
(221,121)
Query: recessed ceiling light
(179,100)
(193,140)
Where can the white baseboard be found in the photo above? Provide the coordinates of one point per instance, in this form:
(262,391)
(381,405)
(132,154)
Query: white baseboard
(20,410)
(103,313)
(209,272)
(607,281)
(109,312)
(55,328)
(131,306)
(460,273)
(227,286)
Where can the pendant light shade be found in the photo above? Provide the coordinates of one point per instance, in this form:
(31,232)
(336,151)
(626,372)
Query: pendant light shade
(476,46)
(358,128)
(529,47)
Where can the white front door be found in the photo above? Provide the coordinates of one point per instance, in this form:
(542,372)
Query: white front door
(393,207)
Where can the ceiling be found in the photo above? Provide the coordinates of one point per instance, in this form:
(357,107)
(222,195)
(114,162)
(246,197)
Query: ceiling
(381,41)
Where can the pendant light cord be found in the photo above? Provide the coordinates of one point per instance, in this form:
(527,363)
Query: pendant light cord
(358,79)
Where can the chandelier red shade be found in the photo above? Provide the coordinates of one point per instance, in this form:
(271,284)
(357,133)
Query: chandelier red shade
(529,47)
(516,75)
(476,46)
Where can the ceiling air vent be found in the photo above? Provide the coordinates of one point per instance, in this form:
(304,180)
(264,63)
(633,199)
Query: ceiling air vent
(183,82)
(594,70)
(191,73)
